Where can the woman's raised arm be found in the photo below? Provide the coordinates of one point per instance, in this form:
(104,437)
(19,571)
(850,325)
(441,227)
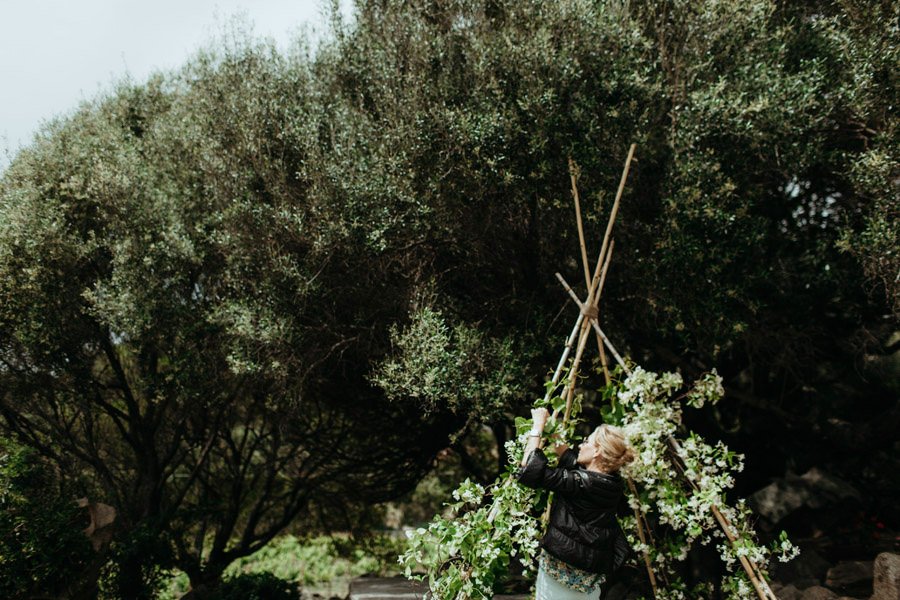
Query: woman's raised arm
(539,418)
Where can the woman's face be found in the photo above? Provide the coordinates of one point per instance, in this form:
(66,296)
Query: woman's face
(588,451)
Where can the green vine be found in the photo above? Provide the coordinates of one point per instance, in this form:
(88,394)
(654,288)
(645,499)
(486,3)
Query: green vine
(678,484)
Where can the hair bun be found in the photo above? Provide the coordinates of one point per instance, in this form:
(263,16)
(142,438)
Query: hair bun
(614,449)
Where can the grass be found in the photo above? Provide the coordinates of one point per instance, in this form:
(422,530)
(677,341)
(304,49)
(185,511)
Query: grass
(325,563)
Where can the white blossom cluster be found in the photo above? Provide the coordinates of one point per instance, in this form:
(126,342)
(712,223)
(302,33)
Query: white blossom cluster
(643,385)
(737,587)
(708,388)
(469,492)
(514,450)
(785,550)
(679,486)
(681,483)
(672,594)
(464,556)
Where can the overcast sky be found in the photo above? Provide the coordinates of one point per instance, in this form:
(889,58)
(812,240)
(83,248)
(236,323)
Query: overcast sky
(55,53)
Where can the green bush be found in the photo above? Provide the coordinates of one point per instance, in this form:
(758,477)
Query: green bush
(306,561)
(139,566)
(451,366)
(257,586)
(42,547)
(376,552)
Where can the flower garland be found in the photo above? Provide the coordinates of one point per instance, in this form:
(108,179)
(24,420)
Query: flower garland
(679,485)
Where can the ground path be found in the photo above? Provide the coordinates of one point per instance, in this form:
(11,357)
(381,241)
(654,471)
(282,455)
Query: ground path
(396,588)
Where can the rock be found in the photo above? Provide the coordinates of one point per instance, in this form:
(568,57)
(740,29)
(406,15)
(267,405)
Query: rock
(827,488)
(817,592)
(851,577)
(806,582)
(809,567)
(886,585)
(100,530)
(815,489)
(386,588)
(788,592)
(780,498)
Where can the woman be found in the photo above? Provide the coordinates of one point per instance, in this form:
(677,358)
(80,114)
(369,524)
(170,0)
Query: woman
(584,545)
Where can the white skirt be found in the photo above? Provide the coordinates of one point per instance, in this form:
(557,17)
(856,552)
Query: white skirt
(548,588)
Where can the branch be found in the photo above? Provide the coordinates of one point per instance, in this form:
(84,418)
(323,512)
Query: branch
(134,410)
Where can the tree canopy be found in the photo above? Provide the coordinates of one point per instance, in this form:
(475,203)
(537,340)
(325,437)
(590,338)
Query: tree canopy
(216,285)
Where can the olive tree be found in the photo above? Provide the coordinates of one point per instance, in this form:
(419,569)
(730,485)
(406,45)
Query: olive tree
(212,283)
(178,326)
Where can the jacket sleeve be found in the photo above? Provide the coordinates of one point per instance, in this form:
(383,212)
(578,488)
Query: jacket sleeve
(537,474)
(568,459)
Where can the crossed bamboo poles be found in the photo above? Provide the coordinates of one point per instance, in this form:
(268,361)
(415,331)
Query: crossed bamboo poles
(588,319)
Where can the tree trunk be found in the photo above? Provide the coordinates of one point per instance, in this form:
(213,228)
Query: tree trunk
(500,434)
(130,579)
(204,583)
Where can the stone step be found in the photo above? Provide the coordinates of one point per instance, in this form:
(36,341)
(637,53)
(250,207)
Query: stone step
(387,588)
(397,588)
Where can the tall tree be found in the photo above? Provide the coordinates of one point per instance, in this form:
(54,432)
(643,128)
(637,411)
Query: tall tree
(199,274)
(172,325)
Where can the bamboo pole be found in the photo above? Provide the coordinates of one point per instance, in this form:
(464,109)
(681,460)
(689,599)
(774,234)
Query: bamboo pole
(726,525)
(599,272)
(604,363)
(593,323)
(641,523)
(754,573)
(570,343)
(759,582)
(600,349)
(573,372)
(612,246)
(612,215)
(580,324)
(612,348)
(601,260)
(646,524)
(604,247)
(584,259)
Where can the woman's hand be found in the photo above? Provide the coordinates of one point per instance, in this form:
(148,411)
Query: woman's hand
(539,418)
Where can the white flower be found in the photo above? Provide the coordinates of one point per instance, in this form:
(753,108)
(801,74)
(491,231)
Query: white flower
(650,418)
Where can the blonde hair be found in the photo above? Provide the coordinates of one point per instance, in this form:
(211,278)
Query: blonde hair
(615,452)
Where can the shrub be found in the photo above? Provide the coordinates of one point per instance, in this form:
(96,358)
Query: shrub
(257,586)
(42,547)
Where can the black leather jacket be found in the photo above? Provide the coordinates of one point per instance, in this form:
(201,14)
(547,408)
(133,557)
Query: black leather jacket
(583,530)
